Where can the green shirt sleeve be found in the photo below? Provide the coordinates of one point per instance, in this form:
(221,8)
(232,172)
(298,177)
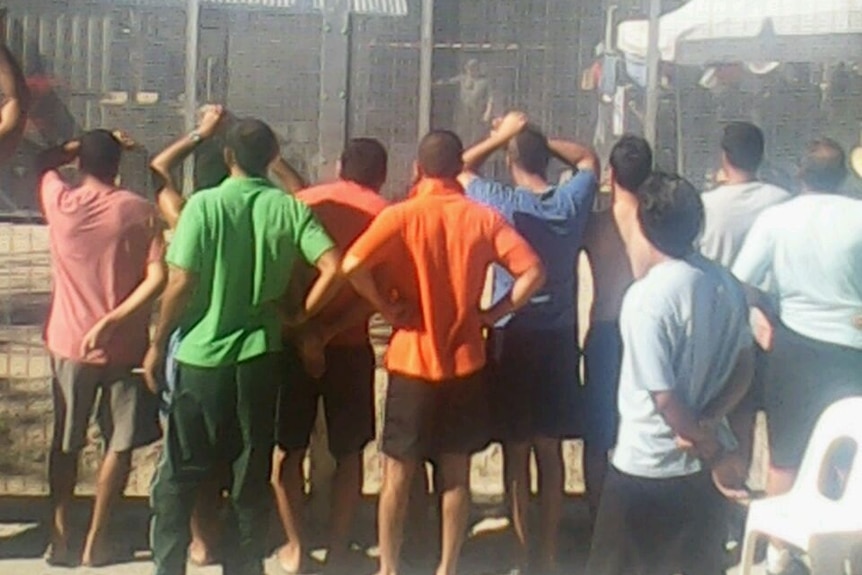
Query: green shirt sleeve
(186,249)
(311,239)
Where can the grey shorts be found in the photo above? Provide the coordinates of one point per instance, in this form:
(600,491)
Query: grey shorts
(127,414)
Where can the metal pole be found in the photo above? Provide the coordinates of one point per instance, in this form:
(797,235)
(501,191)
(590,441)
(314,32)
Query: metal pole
(653,60)
(426,62)
(193,10)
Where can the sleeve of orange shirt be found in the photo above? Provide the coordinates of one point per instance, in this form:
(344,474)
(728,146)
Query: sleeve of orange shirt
(378,242)
(511,250)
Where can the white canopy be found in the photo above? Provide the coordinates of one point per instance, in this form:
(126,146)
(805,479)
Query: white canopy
(711,31)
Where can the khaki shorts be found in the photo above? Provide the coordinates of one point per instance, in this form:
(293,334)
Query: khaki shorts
(127,413)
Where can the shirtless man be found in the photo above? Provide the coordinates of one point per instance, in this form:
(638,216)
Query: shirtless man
(631,163)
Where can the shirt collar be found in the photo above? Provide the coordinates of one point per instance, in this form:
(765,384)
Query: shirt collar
(436,187)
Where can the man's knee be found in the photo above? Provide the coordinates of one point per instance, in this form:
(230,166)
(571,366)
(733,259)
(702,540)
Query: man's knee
(399,472)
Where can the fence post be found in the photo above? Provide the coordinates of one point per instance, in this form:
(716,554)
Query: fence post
(332,125)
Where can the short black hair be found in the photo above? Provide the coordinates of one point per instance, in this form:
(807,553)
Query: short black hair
(254,145)
(440,155)
(743,145)
(364,161)
(670,212)
(530,151)
(824,166)
(631,161)
(99,155)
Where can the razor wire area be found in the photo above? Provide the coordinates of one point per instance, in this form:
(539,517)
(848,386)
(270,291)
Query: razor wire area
(318,79)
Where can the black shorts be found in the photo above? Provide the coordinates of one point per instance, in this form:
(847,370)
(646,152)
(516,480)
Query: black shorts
(658,526)
(603,356)
(425,419)
(347,389)
(803,378)
(535,388)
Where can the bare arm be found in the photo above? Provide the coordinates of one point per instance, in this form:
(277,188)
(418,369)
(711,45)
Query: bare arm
(141,298)
(169,198)
(525,287)
(504,130)
(58,156)
(178,293)
(686,425)
(14,88)
(576,155)
(287,176)
(326,286)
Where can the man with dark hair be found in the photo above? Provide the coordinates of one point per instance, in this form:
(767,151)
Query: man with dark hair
(732,207)
(824,166)
(631,164)
(535,351)
(687,361)
(106,252)
(207,143)
(340,370)
(231,260)
(731,210)
(437,247)
(807,254)
(14,105)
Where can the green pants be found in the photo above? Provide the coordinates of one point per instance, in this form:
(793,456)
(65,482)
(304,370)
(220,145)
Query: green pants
(219,417)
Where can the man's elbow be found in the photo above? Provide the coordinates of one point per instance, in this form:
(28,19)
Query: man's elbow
(538,276)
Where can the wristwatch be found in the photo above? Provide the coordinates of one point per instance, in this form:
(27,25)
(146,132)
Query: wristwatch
(195,137)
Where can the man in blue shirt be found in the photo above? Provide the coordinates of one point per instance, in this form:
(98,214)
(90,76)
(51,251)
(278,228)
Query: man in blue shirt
(535,351)
(807,254)
(687,361)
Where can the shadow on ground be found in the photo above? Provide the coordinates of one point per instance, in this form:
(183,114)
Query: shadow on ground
(24,536)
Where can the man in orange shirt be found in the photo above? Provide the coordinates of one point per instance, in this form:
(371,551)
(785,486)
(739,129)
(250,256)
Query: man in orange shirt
(333,359)
(441,245)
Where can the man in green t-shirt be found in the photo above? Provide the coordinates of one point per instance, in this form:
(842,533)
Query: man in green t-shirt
(230,260)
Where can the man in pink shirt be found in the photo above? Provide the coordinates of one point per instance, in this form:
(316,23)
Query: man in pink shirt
(107,263)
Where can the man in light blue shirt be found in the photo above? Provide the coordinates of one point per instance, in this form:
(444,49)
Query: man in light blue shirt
(687,361)
(536,398)
(810,250)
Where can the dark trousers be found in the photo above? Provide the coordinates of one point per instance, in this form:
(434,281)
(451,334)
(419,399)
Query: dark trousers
(219,417)
(658,527)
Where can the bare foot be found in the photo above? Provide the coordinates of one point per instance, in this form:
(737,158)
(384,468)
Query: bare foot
(290,558)
(200,555)
(58,553)
(97,552)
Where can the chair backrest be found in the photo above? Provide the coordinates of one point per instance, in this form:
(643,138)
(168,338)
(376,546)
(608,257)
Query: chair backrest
(841,421)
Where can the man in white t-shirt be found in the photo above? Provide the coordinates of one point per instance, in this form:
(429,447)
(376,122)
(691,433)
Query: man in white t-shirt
(732,207)
(730,211)
(687,361)
(807,254)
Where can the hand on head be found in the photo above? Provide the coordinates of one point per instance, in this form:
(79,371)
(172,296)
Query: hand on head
(509,125)
(210,117)
(125,140)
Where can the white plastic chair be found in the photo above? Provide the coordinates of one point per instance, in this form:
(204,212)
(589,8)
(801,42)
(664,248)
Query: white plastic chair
(824,528)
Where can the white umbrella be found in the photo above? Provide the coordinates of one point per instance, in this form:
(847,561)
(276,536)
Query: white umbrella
(711,31)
